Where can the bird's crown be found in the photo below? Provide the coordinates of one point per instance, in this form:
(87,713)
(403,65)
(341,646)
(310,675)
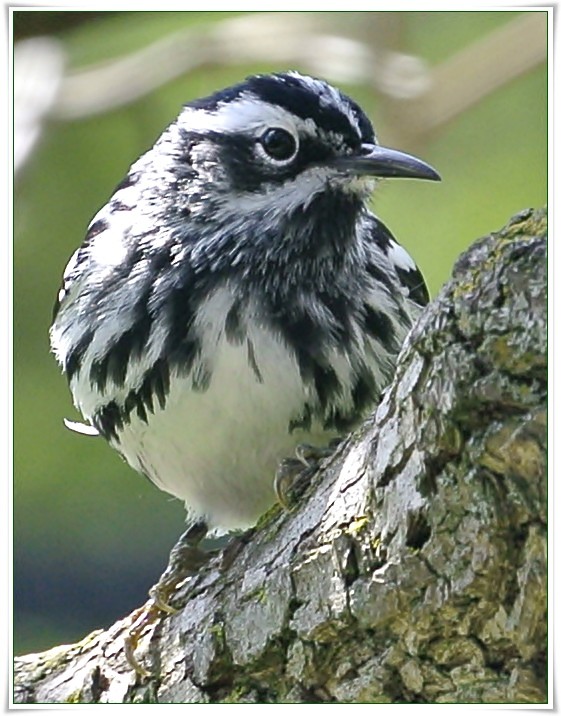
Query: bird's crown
(309,105)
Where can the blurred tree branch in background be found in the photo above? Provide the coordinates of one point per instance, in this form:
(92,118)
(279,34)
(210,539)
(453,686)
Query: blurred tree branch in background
(362,48)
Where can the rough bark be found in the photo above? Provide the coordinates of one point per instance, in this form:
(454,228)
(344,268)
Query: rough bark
(414,570)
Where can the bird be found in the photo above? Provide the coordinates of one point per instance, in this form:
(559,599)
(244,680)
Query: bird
(236,297)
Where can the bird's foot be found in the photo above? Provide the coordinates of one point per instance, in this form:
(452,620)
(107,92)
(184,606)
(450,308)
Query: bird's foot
(294,474)
(185,560)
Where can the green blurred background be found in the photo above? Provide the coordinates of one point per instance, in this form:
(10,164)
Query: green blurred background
(90,535)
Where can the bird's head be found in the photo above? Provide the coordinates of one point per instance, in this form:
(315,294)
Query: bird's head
(273,143)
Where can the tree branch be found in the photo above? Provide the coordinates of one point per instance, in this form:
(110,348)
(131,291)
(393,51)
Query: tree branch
(415,571)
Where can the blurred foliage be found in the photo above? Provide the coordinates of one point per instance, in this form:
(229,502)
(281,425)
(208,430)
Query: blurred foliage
(90,535)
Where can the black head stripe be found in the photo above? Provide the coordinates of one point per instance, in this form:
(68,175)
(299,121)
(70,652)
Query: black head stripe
(327,107)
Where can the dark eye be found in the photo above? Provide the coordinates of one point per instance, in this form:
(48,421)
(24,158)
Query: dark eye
(278,143)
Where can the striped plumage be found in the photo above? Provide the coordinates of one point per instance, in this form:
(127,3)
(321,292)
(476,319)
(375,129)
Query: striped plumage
(235,296)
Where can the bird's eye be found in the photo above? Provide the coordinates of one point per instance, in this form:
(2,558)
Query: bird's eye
(279,144)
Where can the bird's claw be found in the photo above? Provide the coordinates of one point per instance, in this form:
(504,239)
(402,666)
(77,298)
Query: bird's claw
(185,559)
(294,473)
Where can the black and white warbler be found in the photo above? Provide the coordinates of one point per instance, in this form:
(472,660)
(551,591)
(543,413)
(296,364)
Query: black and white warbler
(236,297)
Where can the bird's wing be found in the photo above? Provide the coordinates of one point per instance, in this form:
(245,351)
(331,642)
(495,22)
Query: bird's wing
(407,271)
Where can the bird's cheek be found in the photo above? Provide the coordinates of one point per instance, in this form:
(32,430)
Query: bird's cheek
(360,186)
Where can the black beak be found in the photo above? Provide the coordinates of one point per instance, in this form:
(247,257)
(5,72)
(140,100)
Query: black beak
(379,161)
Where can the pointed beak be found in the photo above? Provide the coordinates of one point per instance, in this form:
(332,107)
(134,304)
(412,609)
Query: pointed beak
(377,161)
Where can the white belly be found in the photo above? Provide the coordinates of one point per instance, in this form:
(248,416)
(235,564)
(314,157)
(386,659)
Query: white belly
(218,450)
